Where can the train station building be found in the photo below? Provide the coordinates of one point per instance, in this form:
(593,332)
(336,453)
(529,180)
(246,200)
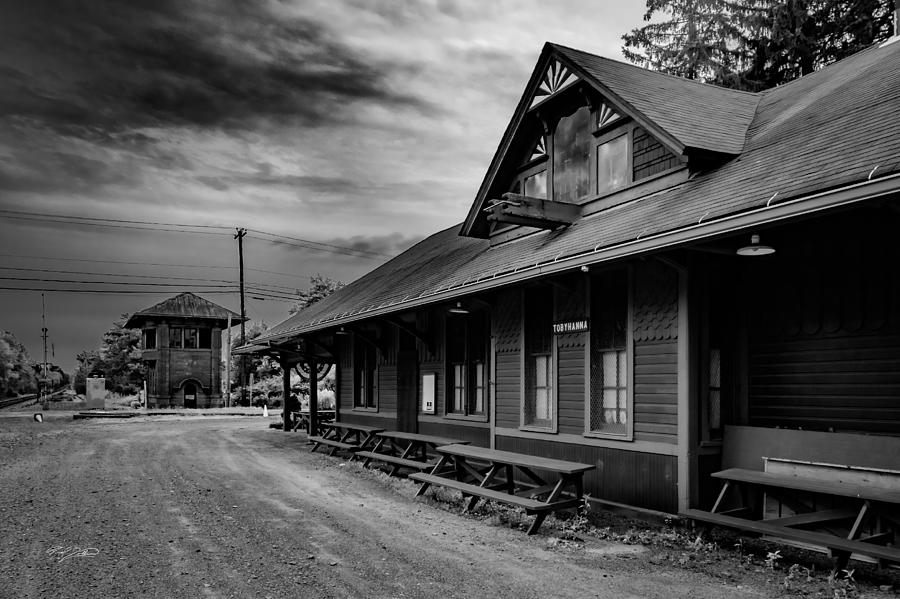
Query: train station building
(659,277)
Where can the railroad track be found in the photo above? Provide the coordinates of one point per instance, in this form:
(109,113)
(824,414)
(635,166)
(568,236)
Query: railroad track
(14,401)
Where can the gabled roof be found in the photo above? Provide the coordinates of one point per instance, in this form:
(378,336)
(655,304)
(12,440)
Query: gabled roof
(697,115)
(826,140)
(684,114)
(184,305)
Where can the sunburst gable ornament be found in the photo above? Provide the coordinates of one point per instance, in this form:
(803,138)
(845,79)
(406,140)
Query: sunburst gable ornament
(606,115)
(540,149)
(556,77)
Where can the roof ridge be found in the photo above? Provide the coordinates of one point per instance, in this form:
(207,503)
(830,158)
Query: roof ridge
(677,77)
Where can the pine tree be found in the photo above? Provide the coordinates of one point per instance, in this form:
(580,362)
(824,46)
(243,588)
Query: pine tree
(754,44)
(696,39)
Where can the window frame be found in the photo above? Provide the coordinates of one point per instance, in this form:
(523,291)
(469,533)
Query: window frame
(147,334)
(172,337)
(628,435)
(623,127)
(542,426)
(468,365)
(369,403)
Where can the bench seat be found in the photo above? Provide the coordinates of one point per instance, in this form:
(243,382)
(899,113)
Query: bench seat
(532,506)
(333,443)
(396,460)
(829,541)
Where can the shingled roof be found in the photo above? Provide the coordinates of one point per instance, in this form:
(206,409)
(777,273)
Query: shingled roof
(696,115)
(184,305)
(828,139)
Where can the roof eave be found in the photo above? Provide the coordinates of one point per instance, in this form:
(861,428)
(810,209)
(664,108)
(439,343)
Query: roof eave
(804,205)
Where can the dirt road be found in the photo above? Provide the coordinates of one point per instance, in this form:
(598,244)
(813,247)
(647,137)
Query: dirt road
(225,507)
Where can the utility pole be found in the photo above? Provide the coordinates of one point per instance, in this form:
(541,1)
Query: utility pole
(44,376)
(228,363)
(241,233)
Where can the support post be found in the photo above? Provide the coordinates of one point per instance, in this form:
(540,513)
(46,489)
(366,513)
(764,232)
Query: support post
(313,398)
(286,390)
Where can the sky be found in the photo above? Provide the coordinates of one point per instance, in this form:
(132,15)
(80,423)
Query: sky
(135,137)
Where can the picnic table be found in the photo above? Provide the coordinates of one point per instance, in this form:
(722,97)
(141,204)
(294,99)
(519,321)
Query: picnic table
(406,450)
(459,464)
(844,518)
(301,418)
(346,436)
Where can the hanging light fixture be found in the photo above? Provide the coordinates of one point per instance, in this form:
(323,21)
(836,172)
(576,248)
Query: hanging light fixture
(755,248)
(342,331)
(458,309)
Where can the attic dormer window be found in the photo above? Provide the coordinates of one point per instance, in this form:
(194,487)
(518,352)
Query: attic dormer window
(612,164)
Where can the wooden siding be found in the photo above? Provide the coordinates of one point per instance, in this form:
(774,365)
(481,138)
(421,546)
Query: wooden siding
(847,382)
(655,352)
(387,388)
(507,386)
(570,382)
(638,479)
(656,391)
(824,327)
(650,156)
(506,324)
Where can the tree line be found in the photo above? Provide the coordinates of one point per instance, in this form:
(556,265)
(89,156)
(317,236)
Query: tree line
(754,45)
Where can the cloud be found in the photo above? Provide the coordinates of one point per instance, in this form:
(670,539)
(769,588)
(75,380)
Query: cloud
(115,65)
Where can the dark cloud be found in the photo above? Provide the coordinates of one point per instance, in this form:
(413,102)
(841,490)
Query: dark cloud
(108,64)
(390,244)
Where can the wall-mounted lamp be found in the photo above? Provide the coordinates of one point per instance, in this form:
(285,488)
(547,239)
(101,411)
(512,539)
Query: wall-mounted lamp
(755,248)
(585,268)
(458,309)
(342,331)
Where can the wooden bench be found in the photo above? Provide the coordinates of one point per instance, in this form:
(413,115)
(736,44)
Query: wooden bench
(396,461)
(318,440)
(342,435)
(532,506)
(454,468)
(406,450)
(301,418)
(863,505)
(836,545)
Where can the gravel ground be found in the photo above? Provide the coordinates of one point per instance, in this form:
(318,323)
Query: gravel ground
(180,506)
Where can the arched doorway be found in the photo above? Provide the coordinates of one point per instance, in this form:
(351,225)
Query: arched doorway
(190,395)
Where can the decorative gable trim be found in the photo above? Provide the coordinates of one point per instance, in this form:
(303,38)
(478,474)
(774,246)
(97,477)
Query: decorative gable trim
(540,149)
(553,72)
(557,76)
(606,115)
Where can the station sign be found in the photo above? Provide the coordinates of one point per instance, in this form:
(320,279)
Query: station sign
(570,326)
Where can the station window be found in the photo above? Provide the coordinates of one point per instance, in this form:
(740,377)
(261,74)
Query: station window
(538,408)
(149,340)
(176,337)
(609,399)
(467,364)
(612,164)
(191,339)
(365,393)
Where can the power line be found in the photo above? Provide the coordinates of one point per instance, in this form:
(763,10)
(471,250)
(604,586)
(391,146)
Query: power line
(331,247)
(161,226)
(134,292)
(133,276)
(109,225)
(114,220)
(206,266)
